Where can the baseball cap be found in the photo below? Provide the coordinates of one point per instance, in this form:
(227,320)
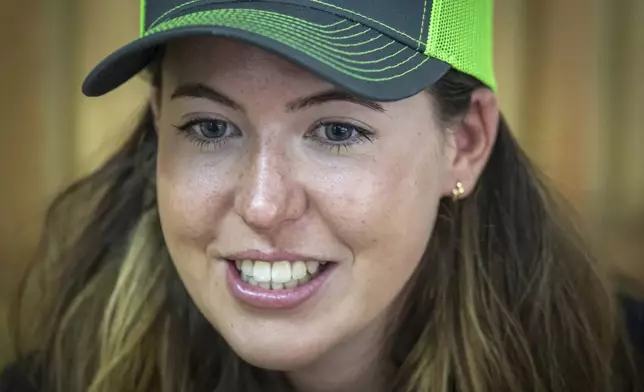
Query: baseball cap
(382,50)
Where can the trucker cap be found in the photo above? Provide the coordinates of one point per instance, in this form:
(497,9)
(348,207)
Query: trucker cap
(382,50)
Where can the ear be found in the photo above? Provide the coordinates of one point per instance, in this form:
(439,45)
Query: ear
(472,140)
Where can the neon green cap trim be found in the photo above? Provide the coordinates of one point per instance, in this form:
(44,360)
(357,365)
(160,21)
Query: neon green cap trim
(142,19)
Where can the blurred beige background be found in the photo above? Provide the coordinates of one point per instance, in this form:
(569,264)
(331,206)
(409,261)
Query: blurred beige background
(571,84)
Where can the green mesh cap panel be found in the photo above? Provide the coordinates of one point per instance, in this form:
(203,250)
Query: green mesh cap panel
(461,34)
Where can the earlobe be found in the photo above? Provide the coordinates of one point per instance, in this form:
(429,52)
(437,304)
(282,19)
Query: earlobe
(474,138)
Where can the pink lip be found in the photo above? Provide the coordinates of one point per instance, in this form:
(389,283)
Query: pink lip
(273,256)
(274,299)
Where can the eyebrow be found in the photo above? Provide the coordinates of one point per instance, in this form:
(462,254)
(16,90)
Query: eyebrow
(198,90)
(330,96)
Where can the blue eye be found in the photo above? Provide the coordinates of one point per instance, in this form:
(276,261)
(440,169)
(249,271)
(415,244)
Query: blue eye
(209,129)
(212,129)
(339,132)
(338,135)
(207,132)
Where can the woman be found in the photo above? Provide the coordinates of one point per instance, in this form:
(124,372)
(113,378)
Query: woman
(322,196)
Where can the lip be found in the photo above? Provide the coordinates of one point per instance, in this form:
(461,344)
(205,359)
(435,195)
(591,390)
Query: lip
(271,257)
(275,299)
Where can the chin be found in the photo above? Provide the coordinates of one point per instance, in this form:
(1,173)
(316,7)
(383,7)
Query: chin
(282,359)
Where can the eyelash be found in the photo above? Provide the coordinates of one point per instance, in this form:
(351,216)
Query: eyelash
(188,131)
(363,135)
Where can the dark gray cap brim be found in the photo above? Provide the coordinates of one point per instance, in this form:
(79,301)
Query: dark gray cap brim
(365,62)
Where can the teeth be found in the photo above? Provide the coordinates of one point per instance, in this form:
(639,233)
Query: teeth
(247,267)
(278,275)
(291,284)
(262,271)
(312,267)
(281,272)
(299,270)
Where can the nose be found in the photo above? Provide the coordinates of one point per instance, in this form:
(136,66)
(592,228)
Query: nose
(268,197)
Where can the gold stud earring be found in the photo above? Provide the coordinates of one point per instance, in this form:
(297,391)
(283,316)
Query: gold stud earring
(458,191)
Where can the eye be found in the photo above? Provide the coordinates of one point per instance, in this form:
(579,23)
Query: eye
(206,132)
(339,132)
(210,129)
(338,135)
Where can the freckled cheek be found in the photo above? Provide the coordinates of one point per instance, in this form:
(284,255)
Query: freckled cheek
(191,196)
(381,212)
(353,201)
(384,223)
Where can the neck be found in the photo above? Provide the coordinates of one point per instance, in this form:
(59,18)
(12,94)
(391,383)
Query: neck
(355,365)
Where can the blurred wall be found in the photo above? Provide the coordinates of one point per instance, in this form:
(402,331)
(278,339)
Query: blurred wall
(570,78)
(21,149)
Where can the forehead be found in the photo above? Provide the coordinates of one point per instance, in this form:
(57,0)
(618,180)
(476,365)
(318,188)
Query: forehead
(254,76)
(216,58)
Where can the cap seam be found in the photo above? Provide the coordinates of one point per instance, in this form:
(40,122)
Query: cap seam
(178,7)
(278,16)
(422,26)
(314,41)
(414,40)
(323,26)
(343,68)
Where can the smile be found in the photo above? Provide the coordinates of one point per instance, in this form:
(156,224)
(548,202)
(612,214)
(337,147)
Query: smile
(276,284)
(279,275)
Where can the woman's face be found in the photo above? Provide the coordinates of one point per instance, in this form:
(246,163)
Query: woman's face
(264,170)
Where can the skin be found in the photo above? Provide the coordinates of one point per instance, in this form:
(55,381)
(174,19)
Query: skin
(272,186)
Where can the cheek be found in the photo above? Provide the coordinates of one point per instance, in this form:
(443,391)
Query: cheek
(190,194)
(190,199)
(384,212)
(384,199)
